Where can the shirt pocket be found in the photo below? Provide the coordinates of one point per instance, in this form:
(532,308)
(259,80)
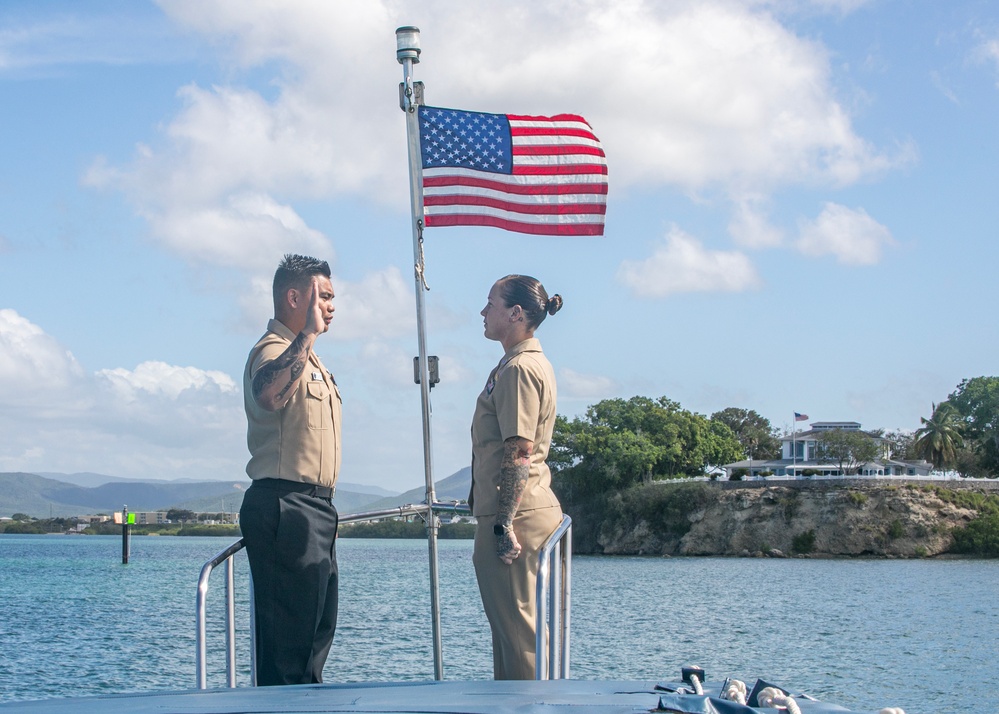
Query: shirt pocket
(317,402)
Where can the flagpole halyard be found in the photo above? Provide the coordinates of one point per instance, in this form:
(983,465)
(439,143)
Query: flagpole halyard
(410,98)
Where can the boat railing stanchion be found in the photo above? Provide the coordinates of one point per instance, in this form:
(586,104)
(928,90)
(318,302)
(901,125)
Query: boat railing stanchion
(551,645)
(230,621)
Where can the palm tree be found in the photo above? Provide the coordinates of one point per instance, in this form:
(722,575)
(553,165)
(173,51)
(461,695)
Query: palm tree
(939,438)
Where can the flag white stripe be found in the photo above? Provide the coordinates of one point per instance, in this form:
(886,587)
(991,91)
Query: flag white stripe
(578,125)
(559,159)
(554,141)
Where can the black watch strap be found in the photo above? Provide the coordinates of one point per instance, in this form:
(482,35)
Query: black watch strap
(501,528)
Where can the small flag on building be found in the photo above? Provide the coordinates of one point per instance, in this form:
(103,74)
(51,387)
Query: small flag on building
(538,175)
(800,417)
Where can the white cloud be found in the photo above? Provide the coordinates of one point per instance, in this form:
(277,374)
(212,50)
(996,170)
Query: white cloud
(159,379)
(33,364)
(750,228)
(988,51)
(156,421)
(687,94)
(852,236)
(248,231)
(682,264)
(378,307)
(577,385)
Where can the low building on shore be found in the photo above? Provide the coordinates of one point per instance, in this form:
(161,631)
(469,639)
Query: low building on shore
(802,457)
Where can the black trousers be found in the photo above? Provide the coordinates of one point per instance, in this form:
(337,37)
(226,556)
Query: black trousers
(290,534)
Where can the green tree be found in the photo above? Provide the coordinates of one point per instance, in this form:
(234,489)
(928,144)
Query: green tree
(623,442)
(902,443)
(848,447)
(977,402)
(939,438)
(968,463)
(180,515)
(755,433)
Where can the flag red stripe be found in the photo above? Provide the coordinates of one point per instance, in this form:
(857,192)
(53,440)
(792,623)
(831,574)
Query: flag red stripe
(559,169)
(531,189)
(546,229)
(553,179)
(556,150)
(553,118)
(551,209)
(516,131)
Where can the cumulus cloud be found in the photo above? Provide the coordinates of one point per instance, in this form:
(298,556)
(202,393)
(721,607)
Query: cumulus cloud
(987,51)
(687,94)
(32,363)
(248,231)
(681,264)
(850,235)
(158,379)
(750,227)
(158,420)
(577,385)
(380,306)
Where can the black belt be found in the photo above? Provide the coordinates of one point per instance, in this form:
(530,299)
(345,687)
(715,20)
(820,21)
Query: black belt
(286,486)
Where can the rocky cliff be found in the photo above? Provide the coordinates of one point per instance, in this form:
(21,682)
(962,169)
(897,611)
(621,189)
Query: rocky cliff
(826,519)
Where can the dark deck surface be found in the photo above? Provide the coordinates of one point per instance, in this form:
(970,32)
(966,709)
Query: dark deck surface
(447,697)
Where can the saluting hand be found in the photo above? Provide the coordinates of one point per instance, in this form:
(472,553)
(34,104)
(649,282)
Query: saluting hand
(316,321)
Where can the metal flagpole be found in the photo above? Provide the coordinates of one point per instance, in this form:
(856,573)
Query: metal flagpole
(410,98)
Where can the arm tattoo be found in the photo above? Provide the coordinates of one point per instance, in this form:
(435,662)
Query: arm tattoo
(294,357)
(514,469)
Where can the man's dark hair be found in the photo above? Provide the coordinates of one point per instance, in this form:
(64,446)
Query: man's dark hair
(296,271)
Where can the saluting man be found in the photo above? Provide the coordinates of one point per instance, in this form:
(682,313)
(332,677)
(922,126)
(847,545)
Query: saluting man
(287,518)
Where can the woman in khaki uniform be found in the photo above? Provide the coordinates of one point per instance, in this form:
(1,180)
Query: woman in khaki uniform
(511,494)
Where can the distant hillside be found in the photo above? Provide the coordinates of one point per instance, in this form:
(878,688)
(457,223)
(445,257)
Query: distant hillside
(345,502)
(453,488)
(43,497)
(86,478)
(363,489)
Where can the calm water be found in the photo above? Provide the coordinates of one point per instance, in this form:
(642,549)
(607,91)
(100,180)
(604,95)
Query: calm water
(917,634)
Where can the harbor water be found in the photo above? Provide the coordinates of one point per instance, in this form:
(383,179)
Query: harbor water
(918,634)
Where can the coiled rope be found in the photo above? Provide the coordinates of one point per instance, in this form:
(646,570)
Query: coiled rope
(773,697)
(735,691)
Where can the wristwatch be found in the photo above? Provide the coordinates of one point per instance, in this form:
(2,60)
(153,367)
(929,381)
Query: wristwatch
(501,528)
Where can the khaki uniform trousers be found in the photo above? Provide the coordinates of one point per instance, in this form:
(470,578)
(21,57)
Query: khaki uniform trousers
(508,591)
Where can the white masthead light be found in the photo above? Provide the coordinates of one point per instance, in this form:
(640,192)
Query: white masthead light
(407,44)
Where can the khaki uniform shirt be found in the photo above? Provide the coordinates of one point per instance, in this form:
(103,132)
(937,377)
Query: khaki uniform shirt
(301,441)
(518,400)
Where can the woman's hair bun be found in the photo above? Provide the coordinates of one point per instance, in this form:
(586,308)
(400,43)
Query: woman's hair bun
(554,304)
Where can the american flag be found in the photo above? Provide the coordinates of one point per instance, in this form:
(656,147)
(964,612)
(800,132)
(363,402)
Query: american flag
(800,417)
(540,175)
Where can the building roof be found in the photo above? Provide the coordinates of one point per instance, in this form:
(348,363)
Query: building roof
(816,433)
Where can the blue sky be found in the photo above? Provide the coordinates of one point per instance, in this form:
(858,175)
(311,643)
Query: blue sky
(802,214)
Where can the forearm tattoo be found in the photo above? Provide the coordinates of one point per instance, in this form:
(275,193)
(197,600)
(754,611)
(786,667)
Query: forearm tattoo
(514,470)
(294,357)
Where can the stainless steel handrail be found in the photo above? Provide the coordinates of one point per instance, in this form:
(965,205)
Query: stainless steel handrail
(553,594)
(200,655)
(554,599)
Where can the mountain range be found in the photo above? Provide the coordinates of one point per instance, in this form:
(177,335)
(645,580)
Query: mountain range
(47,495)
